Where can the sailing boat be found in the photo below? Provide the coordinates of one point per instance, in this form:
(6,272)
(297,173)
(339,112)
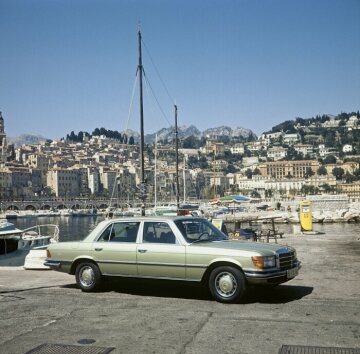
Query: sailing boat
(143,185)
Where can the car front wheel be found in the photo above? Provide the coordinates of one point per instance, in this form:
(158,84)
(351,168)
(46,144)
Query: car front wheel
(227,284)
(88,276)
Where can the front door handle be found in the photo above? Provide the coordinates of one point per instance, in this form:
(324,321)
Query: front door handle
(98,249)
(142,251)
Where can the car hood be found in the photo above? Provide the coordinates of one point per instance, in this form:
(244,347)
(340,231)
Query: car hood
(240,245)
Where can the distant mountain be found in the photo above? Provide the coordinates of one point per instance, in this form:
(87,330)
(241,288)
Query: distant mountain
(27,139)
(227,131)
(133,133)
(168,134)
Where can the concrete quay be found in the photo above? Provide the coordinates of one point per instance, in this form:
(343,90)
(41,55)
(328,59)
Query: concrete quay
(321,307)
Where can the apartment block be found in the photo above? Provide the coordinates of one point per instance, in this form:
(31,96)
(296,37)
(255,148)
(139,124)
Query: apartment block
(5,184)
(281,169)
(64,182)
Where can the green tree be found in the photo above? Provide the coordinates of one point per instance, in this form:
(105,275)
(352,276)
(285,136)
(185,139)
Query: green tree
(268,193)
(349,178)
(256,172)
(322,171)
(326,188)
(231,169)
(203,162)
(330,159)
(309,172)
(338,172)
(356,173)
(248,173)
(292,154)
(255,194)
(190,142)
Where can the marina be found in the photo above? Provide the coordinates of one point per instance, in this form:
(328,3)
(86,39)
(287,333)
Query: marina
(318,308)
(179,177)
(27,246)
(77,228)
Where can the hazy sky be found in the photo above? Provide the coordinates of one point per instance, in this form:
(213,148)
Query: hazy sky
(70,65)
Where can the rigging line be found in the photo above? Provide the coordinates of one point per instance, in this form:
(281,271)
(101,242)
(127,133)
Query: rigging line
(131,102)
(158,73)
(149,101)
(157,101)
(113,191)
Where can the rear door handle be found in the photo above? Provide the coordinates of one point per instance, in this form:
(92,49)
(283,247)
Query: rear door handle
(142,251)
(98,249)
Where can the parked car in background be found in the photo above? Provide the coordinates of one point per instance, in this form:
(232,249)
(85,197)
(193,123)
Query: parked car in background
(177,248)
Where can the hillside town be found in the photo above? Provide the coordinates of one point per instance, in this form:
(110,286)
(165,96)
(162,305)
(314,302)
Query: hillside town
(318,156)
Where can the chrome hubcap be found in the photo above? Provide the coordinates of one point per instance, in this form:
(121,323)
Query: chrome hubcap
(87,276)
(225,284)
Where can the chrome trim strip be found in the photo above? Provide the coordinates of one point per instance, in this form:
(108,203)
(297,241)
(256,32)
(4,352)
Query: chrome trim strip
(196,265)
(116,262)
(162,264)
(154,264)
(150,277)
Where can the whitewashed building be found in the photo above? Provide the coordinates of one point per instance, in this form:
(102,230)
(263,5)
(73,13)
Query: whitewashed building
(347,148)
(237,149)
(291,138)
(276,153)
(305,149)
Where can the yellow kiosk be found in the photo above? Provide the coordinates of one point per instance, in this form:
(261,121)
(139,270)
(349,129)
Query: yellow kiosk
(305,216)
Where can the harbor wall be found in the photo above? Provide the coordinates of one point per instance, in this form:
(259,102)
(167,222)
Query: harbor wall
(329,202)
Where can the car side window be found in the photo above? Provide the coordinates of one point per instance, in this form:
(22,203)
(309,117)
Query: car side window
(120,232)
(106,235)
(158,232)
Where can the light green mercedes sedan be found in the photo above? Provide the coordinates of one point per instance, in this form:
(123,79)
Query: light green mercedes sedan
(180,248)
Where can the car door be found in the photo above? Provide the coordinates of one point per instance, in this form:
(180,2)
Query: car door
(115,249)
(160,254)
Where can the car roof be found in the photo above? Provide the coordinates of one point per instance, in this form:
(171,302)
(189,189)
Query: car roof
(151,218)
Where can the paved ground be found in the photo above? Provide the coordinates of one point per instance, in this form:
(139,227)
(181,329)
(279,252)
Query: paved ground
(321,307)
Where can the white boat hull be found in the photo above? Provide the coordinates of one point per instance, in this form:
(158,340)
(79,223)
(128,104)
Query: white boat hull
(35,259)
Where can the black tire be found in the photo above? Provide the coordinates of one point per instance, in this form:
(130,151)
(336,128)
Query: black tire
(227,284)
(88,276)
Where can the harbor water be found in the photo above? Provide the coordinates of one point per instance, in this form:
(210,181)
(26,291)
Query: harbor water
(76,228)
(70,228)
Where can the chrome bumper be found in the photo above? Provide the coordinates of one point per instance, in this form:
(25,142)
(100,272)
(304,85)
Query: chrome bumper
(52,264)
(271,276)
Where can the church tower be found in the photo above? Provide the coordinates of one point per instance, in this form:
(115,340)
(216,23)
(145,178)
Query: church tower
(3,147)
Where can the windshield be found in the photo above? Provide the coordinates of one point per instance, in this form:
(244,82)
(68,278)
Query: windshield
(198,230)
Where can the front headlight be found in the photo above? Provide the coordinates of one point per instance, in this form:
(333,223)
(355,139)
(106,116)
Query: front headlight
(264,261)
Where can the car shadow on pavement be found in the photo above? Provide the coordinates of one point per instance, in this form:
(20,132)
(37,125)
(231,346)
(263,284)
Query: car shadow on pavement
(185,290)
(277,295)
(159,288)
(155,288)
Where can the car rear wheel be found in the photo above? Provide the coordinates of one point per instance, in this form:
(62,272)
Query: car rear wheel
(227,284)
(88,276)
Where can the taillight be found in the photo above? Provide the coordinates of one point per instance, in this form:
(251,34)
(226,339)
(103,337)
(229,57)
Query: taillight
(48,254)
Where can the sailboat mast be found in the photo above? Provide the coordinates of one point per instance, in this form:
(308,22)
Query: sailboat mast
(184,176)
(142,175)
(155,177)
(177,160)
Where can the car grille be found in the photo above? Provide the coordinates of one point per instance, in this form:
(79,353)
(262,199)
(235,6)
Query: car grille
(287,260)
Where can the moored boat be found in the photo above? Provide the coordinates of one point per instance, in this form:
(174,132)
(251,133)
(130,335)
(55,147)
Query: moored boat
(26,247)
